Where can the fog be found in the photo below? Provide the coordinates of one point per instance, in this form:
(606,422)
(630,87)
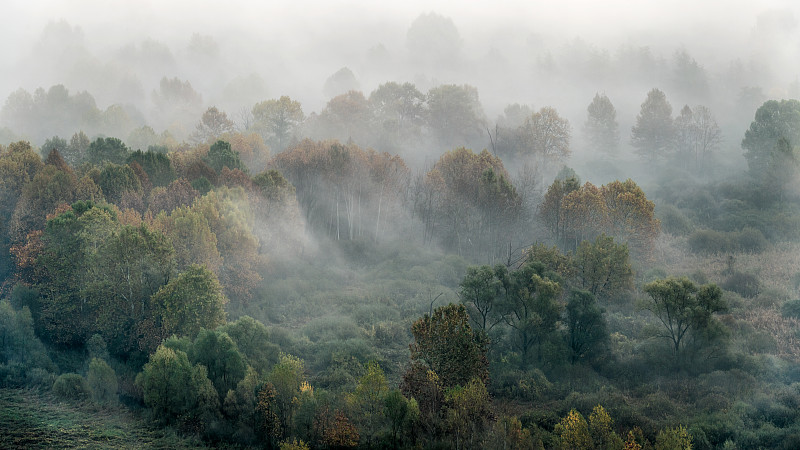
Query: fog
(235,54)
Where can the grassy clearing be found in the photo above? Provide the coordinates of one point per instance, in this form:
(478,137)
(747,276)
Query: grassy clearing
(30,419)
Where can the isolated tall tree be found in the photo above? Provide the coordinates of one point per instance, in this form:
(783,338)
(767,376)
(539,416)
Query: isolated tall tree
(601,127)
(653,133)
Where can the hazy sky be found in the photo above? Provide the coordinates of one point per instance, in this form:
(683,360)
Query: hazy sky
(322,36)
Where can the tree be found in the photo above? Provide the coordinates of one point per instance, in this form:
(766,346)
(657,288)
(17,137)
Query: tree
(601,127)
(480,290)
(445,343)
(157,166)
(631,217)
(530,307)
(252,339)
(603,267)
(653,133)
(189,302)
(455,116)
(400,412)
(467,413)
(369,401)
(115,180)
(287,377)
(277,120)
(573,432)
(131,265)
(221,155)
(345,117)
(550,210)
(773,120)
(343,80)
(602,431)
(398,110)
(434,40)
(586,327)
(175,390)
(103,150)
(213,124)
(677,438)
(684,310)
(696,134)
(547,135)
(217,352)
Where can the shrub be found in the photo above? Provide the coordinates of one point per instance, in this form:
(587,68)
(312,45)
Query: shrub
(102,381)
(791,309)
(709,242)
(71,386)
(673,221)
(751,240)
(745,284)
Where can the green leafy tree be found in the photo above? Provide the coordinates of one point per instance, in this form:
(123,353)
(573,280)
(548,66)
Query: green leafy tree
(684,310)
(446,343)
(221,155)
(399,112)
(467,413)
(674,439)
(603,268)
(573,432)
(174,390)
(131,265)
(653,134)
(531,308)
(601,427)
(253,340)
(369,402)
(157,166)
(287,377)
(218,353)
(106,150)
(116,180)
(586,327)
(401,413)
(189,302)
(480,291)
(241,404)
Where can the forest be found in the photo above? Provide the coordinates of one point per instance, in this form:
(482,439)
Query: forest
(396,270)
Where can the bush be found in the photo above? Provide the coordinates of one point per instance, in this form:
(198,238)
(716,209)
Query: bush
(744,284)
(673,221)
(102,381)
(709,242)
(791,309)
(71,386)
(750,240)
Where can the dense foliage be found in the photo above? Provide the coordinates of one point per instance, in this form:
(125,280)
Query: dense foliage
(335,295)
